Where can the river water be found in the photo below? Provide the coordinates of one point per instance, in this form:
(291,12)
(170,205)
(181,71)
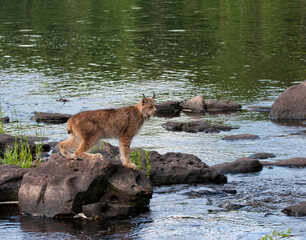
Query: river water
(101,54)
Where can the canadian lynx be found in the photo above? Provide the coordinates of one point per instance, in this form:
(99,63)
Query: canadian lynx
(88,127)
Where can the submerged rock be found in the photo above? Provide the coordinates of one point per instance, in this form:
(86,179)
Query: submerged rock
(262,155)
(297,210)
(241,137)
(292,162)
(62,188)
(291,104)
(10,180)
(5,119)
(169,107)
(196,126)
(213,105)
(51,117)
(241,165)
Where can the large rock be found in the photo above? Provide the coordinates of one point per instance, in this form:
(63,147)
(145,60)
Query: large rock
(196,104)
(169,168)
(196,126)
(292,162)
(179,168)
(297,210)
(241,165)
(9,141)
(10,180)
(213,105)
(241,137)
(62,188)
(169,107)
(51,117)
(291,104)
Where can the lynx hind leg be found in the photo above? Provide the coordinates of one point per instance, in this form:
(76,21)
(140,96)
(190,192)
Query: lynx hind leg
(125,153)
(66,145)
(84,147)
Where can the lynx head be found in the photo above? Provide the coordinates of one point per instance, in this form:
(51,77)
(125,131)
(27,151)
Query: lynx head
(148,107)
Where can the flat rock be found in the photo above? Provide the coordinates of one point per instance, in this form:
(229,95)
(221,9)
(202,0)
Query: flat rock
(297,210)
(291,104)
(241,137)
(292,162)
(61,188)
(262,156)
(241,165)
(196,126)
(10,180)
(54,118)
(212,105)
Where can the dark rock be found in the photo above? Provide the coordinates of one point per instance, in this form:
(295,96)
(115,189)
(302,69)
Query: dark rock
(291,104)
(196,104)
(241,137)
(262,156)
(62,188)
(5,119)
(51,117)
(259,108)
(10,180)
(9,141)
(169,106)
(181,168)
(230,191)
(169,168)
(196,126)
(292,162)
(221,105)
(297,210)
(241,165)
(232,206)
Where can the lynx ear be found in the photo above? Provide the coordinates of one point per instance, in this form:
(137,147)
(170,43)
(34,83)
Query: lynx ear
(153,94)
(143,96)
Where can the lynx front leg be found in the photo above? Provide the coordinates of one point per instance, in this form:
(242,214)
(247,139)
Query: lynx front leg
(65,145)
(125,153)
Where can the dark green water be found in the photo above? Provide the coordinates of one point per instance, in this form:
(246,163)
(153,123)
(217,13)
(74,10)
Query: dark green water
(101,54)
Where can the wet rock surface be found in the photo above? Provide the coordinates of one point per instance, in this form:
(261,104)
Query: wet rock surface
(169,107)
(5,119)
(292,162)
(259,108)
(196,104)
(291,104)
(241,165)
(241,137)
(262,155)
(297,210)
(196,126)
(213,105)
(61,188)
(54,118)
(10,180)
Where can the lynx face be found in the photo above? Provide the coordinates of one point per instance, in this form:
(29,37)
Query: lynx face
(148,108)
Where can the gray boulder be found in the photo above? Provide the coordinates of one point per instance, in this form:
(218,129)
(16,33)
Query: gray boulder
(241,165)
(297,210)
(61,188)
(196,104)
(291,104)
(196,126)
(10,180)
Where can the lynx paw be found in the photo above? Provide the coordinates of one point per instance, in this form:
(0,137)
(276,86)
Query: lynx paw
(98,155)
(72,157)
(131,166)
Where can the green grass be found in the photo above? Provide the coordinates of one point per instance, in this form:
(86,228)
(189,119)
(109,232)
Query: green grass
(278,235)
(136,159)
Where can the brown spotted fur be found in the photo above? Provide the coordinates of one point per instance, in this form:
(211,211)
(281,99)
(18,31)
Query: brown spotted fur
(88,127)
